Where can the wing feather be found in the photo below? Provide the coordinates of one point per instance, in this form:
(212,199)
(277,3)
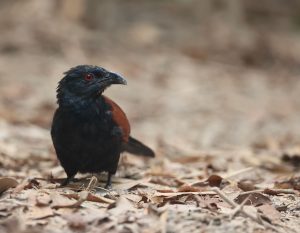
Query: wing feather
(120,118)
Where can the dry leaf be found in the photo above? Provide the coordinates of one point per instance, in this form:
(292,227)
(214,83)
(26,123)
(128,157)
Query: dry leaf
(60,200)
(132,184)
(79,220)
(166,181)
(6,183)
(121,206)
(43,199)
(91,197)
(214,180)
(207,202)
(254,199)
(133,197)
(26,184)
(246,185)
(270,211)
(292,183)
(279,191)
(80,199)
(39,212)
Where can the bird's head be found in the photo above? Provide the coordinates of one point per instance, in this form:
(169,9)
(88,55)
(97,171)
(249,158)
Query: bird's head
(86,82)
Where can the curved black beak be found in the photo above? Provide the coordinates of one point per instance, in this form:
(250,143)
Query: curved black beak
(114,78)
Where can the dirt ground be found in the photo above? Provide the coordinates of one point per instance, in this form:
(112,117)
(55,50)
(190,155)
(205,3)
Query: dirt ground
(215,95)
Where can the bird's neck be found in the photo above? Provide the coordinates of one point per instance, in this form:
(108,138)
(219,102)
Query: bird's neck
(83,106)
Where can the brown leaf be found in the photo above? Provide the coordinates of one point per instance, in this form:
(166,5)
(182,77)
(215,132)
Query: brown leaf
(132,184)
(39,212)
(255,199)
(60,200)
(6,183)
(214,180)
(133,197)
(292,183)
(121,206)
(246,185)
(207,202)
(270,211)
(82,196)
(78,220)
(166,181)
(26,184)
(279,191)
(6,209)
(43,199)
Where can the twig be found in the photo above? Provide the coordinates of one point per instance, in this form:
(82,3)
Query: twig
(167,195)
(163,221)
(84,195)
(93,181)
(81,198)
(90,197)
(270,191)
(257,218)
(224,197)
(236,173)
(239,208)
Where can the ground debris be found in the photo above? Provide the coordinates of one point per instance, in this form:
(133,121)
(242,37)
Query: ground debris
(158,197)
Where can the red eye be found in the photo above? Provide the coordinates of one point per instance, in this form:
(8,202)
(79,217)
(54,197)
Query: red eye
(88,77)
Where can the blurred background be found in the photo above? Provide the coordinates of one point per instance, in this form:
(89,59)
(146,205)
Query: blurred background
(201,73)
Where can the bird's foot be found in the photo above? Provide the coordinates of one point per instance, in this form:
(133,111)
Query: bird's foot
(67,181)
(108,182)
(108,186)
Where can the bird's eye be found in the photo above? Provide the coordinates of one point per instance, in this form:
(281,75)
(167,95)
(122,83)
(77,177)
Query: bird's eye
(88,77)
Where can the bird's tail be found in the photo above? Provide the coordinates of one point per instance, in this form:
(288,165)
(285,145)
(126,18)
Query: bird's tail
(134,146)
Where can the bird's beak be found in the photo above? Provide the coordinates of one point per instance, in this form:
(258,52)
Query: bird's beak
(114,78)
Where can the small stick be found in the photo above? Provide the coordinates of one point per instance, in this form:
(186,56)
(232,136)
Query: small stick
(224,197)
(93,181)
(91,198)
(163,221)
(270,191)
(239,208)
(83,195)
(236,173)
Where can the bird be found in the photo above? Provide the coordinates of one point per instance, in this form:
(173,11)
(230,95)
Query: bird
(89,130)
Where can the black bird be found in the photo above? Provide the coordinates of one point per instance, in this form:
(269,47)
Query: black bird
(89,130)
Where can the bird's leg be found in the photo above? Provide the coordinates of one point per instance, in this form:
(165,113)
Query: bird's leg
(67,180)
(108,182)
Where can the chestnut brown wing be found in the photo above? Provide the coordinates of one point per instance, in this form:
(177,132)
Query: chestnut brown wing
(120,118)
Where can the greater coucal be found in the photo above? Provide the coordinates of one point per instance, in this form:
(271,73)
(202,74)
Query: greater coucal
(89,130)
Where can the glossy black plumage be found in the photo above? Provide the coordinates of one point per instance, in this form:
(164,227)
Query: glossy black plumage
(89,131)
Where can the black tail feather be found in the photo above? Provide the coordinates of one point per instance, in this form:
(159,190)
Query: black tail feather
(136,147)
